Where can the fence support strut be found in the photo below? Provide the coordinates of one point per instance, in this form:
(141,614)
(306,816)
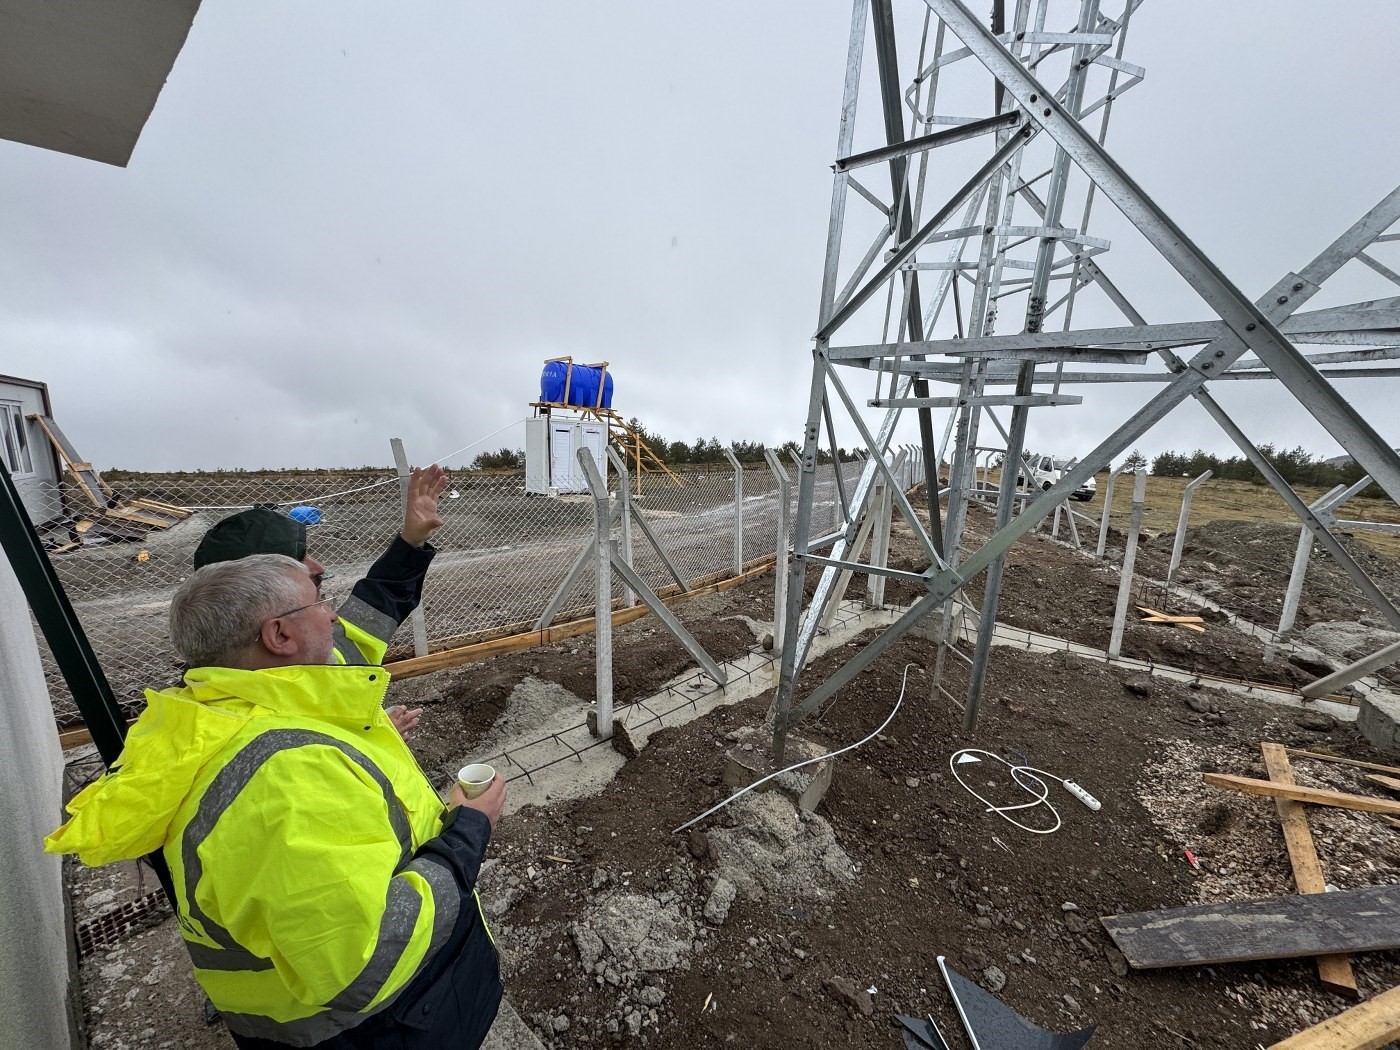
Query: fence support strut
(781,563)
(608,561)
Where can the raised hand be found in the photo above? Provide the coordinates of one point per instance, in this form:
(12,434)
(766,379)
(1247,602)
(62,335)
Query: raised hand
(420,516)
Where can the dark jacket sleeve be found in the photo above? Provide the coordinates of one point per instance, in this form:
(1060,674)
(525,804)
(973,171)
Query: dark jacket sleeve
(393,586)
(381,602)
(453,1001)
(460,846)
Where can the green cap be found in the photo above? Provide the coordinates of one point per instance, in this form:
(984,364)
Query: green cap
(256,531)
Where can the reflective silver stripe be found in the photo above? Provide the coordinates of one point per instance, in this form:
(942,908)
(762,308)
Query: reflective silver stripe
(221,793)
(207,958)
(367,618)
(445,896)
(348,650)
(395,931)
(305,1031)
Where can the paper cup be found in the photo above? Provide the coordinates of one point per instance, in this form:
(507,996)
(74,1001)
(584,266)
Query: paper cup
(475,778)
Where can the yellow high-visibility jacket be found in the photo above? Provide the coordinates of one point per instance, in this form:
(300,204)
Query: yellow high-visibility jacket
(314,874)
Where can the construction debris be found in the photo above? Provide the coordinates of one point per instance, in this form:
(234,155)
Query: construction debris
(110,518)
(1367,919)
(1316,796)
(1191,623)
(1368,1026)
(990,1023)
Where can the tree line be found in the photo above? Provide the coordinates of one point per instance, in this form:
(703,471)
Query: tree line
(1297,466)
(673,453)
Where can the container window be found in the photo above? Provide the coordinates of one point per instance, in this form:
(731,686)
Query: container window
(18,459)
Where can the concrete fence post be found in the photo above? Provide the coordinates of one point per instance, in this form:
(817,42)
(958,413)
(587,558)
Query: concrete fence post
(738,511)
(602,604)
(1125,582)
(417,619)
(39,996)
(882,507)
(1181,521)
(1323,509)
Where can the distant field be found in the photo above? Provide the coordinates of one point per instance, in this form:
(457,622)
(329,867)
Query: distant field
(1218,500)
(1221,500)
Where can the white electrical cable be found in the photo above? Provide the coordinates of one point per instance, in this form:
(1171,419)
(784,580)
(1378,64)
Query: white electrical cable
(488,437)
(904,682)
(1040,798)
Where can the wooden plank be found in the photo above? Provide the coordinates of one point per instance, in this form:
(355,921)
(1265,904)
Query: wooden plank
(529,639)
(88,479)
(133,511)
(1168,617)
(1273,928)
(78,735)
(1334,971)
(1191,623)
(1314,796)
(1389,783)
(136,516)
(165,508)
(1342,761)
(1367,1026)
(526,627)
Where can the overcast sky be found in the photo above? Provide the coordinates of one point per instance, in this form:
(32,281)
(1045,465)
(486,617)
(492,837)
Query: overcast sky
(346,222)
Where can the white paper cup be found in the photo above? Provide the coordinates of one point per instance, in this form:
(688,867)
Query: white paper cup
(475,778)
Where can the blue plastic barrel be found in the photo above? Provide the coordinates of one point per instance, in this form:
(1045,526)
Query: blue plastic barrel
(305,515)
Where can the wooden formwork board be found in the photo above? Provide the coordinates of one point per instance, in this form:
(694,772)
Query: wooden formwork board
(1333,970)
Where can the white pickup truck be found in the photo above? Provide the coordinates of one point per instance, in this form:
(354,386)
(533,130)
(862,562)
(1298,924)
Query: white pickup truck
(1050,469)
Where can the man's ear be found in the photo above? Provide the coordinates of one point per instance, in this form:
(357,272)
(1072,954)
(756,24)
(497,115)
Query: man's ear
(275,639)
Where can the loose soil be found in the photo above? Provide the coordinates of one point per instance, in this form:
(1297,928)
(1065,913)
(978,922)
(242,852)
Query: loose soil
(931,872)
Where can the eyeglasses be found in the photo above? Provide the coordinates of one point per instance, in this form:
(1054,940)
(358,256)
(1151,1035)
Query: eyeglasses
(293,612)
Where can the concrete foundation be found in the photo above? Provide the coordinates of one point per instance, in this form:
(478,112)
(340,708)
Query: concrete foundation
(748,761)
(1379,721)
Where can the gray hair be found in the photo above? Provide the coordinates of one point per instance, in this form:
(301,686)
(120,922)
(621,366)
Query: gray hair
(217,613)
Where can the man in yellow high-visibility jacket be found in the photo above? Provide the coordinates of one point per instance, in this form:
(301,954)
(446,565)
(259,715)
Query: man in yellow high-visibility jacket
(379,603)
(325,893)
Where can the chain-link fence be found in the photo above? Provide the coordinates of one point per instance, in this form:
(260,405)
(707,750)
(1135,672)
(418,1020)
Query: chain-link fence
(502,554)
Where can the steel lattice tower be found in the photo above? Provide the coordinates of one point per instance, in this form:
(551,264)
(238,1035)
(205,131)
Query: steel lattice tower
(994,145)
